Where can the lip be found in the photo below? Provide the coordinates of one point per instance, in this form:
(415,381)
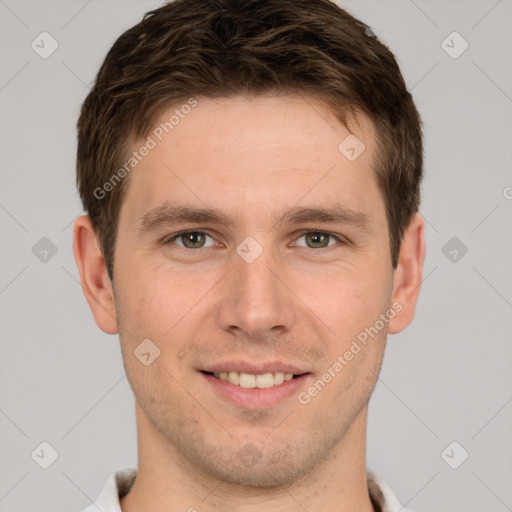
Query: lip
(255,398)
(255,368)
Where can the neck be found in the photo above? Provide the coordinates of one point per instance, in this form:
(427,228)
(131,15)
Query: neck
(165,479)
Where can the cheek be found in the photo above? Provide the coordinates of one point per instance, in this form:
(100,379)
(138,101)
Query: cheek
(164,307)
(146,308)
(360,290)
(354,303)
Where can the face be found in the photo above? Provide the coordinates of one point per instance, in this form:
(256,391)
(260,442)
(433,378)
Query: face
(284,264)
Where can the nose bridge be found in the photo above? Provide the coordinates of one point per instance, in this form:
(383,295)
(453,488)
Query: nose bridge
(255,300)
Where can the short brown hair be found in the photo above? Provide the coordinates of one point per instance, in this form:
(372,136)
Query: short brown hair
(220,48)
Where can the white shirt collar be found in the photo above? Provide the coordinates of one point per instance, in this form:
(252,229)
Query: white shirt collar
(119,483)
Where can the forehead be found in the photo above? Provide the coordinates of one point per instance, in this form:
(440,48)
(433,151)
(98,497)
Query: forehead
(239,126)
(240,153)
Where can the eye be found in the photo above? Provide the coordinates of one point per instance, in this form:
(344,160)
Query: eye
(198,240)
(190,239)
(318,239)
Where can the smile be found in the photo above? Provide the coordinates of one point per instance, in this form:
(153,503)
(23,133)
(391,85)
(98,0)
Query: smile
(248,380)
(255,390)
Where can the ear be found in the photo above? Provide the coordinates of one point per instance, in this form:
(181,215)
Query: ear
(408,274)
(96,284)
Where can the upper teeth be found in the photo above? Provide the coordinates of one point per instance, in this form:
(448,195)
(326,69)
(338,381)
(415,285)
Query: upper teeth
(247,380)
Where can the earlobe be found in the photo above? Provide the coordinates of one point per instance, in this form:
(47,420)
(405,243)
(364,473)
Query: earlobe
(96,284)
(408,274)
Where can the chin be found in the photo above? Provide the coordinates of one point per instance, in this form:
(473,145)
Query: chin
(269,468)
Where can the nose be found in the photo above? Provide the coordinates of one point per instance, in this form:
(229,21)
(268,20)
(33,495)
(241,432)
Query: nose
(257,302)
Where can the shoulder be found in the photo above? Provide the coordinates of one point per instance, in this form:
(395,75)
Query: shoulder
(117,485)
(382,495)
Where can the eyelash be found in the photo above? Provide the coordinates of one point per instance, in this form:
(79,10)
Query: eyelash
(172,238)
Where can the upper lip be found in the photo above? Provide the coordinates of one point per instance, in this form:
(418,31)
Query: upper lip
(254,367)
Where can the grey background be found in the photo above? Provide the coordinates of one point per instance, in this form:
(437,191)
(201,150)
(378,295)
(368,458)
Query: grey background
(446,378)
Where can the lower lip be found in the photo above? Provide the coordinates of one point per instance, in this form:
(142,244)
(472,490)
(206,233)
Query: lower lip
(256,398)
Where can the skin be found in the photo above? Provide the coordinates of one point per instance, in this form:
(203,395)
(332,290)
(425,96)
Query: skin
(299,301)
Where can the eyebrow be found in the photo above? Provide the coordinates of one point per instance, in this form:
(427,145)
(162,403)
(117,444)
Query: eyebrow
(175,213)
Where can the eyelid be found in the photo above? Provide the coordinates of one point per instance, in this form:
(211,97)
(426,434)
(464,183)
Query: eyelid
(339,238)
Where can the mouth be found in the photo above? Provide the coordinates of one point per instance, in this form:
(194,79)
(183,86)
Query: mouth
(250,381)
(255,390)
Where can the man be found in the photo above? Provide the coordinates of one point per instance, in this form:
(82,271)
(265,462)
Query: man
(250,172)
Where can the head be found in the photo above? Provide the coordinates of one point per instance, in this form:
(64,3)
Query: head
(229,119)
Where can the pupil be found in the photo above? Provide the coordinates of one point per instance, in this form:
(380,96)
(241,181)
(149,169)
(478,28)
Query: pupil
(317,238)
(194,239)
